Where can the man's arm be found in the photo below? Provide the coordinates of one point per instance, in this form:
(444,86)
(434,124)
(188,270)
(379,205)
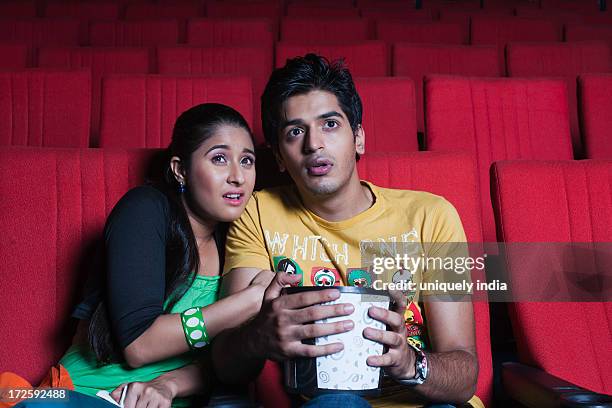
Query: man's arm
(278,330)
(452,363)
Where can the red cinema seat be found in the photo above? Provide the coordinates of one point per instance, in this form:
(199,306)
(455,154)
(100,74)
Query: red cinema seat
(329,10)
(596,122)
(40,32)
(179,10)
(464,16)
(364,58)
(320,30)
(450,175)
(428,33)
(84,12)
(48,235)
(13,56)
(417,60)
(101,61)
(574,32)
(558,202)
(145,33)
(497,119)
(252,61)
(83,9)
(139,110)
(246,8)
(389,114)
(212,32)
(26,9)
(45,108)
(400,11)
(567,60)
(500,31)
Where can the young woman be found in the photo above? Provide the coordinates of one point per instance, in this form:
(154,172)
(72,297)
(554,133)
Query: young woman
(153,309)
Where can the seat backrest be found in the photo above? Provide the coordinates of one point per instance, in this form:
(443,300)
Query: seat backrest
(38,32)
(237,9)
(595,105)
(562,201)
(49,235)
(252,61)
(86,10)
(101,61)
(417,60)
(182,10)
(566,60)
(14,56)
(497,119)
(389,114)
(307,10)
(212,32)
(45,108)
(429,33)
(142,33)
(18,9)
(450,175)
(580,32)
(364,58)
(324,29)
(139,111)
(492,31)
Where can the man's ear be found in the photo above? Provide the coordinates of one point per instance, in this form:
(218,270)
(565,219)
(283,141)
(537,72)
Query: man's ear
(360,140)
(176,165)
(279,160)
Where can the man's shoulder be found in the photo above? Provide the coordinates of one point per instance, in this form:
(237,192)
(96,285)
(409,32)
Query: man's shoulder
(413,198)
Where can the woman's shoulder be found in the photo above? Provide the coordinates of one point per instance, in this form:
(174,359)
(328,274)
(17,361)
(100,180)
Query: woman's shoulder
(142,201)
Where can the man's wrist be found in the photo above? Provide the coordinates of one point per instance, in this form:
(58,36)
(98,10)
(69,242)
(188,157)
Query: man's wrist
(410,371)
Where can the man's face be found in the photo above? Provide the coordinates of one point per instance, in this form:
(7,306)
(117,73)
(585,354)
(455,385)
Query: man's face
(316,144)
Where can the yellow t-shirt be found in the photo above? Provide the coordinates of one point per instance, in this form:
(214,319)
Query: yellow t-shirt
(277,232)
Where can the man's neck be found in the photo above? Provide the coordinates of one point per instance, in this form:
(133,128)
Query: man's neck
(350,200)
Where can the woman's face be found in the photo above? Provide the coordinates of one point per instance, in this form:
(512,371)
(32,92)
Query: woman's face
(222,174)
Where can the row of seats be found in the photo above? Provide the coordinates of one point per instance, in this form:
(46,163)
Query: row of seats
(367,59)
(273,8)
(478,30)
(61,220)
(495,118)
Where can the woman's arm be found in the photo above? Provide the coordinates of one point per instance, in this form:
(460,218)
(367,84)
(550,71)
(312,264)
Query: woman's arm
(160,392)
(165,337)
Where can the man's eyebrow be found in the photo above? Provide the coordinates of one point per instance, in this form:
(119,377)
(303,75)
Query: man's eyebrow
(329,115)
(325,115)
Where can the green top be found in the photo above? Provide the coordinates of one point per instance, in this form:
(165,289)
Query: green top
(89,378)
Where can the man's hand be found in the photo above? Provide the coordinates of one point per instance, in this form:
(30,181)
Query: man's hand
(156,393)
(284,321)
(399,360)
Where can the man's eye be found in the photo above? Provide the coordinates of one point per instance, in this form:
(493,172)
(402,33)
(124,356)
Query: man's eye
(219,158)
(330,124)
(295,132)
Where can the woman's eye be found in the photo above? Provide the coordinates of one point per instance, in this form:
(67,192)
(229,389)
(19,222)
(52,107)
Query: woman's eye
(219,158)
(247,161)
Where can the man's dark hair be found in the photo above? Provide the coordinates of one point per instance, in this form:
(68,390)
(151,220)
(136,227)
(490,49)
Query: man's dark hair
(301,75)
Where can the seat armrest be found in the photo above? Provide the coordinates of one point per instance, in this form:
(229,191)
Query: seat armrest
(536,388)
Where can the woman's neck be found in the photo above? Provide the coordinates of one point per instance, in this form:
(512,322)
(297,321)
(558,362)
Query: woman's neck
(203,229)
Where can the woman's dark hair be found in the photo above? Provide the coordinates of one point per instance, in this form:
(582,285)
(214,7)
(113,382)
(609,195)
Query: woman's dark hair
(191,129)
(301,75)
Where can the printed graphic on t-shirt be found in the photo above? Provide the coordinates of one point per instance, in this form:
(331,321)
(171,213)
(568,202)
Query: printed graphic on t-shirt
(322,276)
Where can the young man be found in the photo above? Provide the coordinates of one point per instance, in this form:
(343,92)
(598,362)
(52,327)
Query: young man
(311,117)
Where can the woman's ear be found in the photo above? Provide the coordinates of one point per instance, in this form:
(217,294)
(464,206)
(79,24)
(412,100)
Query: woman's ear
(176,165)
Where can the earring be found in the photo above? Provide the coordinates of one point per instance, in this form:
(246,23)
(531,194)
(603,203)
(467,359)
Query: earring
(181,187)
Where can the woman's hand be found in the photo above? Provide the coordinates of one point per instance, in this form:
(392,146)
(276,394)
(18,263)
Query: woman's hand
(157,393)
